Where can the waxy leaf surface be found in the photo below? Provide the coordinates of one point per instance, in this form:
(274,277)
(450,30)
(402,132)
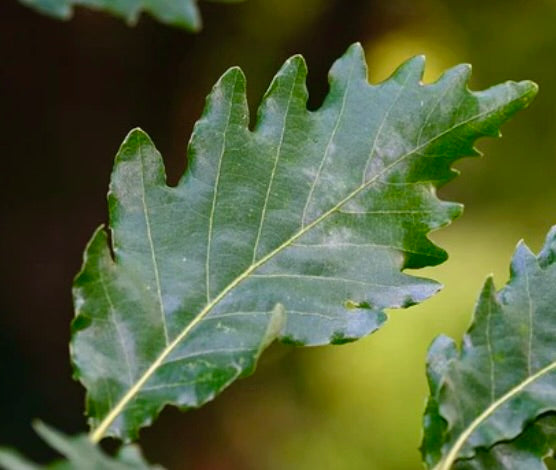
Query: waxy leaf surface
(503,379)
(181,13)
(296,229)
(79,452)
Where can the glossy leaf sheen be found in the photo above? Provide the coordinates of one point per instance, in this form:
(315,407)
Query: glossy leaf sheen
(297,230)
(80,454)
(181,13)
(504,378)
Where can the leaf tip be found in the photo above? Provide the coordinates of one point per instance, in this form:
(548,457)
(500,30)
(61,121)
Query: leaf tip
(547,255)
(135,137)
(234,74)
(529,88)
(136,133)
(458,74)
(458,210)
(297,61)
(488,292)
(294,67)
(94,249)
(39,426)
(193,25)
(520,258)
(48,434)
(412,69)
(524,93)
(356,49)
(522,251)
(232,82)
(350,65)
(423,290)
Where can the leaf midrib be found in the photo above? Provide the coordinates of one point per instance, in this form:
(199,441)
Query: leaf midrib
(154,260)
(451,457)
(274,167)
(327,150)
(97,434)
(215,192)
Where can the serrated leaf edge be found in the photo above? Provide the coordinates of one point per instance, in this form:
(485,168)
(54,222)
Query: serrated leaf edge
(451,457)
(447,462)
(131,18)
(98,433)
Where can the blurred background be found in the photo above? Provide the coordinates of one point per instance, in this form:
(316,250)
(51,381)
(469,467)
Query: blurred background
(70,91)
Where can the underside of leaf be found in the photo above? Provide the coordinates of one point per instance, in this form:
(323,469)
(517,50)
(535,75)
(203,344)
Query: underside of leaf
(296,229)
(181,13)
(504,378)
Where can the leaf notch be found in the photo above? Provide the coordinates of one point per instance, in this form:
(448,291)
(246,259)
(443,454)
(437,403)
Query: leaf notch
(309,210)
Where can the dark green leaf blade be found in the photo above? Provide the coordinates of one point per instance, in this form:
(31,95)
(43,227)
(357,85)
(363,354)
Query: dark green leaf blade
(527,451)
(181,13)
(298,229)
(505,375)
(80,453)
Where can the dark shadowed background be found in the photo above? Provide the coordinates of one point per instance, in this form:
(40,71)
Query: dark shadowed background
(70,91)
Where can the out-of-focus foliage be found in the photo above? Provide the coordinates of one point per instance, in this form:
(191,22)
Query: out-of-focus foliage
(504,378)
(182,13)
(79,452)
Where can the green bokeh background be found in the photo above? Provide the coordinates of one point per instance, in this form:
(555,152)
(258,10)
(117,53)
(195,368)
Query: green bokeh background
(71,91)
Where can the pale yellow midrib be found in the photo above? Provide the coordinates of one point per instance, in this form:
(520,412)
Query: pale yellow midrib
(381,128)
(274,167)
(216,185)
(151,246)
(451,457)
(531,323)
(327,150)
(429,114)
(97,434)
(117,326)
(490,353)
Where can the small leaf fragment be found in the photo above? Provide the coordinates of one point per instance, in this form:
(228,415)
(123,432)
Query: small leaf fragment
(79,453)
(180,13)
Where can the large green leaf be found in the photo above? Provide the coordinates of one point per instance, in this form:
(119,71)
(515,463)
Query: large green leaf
(504,377)
(80,453)
(182,13)
(298,229)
